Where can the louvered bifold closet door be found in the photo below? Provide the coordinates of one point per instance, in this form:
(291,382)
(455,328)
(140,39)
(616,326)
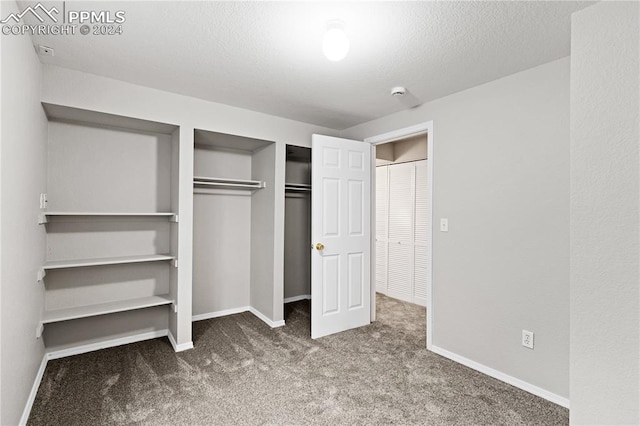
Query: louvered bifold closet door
(422,272)
(401,233)
(382,229)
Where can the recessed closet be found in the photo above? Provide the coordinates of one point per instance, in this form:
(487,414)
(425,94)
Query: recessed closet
(234,226)
(297,241)
(110,215)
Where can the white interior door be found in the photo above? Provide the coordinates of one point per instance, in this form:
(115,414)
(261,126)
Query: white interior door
(340,232)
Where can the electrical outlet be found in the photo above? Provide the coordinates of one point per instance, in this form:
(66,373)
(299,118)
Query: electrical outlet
(527,339)
(43,201)
(444,225)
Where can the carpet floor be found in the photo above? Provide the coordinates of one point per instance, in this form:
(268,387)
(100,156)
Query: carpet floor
(241,372)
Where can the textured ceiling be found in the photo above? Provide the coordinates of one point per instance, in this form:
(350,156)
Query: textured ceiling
(267,56)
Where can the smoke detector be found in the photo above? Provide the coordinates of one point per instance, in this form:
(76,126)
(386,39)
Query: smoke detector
(398,91)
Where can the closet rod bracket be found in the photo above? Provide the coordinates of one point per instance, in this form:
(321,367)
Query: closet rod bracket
(174,218)
(41,274)
(39,330)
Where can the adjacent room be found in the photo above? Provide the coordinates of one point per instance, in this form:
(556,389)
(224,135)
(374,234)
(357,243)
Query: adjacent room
(291,213)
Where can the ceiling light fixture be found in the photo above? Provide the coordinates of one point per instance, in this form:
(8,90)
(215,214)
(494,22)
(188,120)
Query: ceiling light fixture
(336,43)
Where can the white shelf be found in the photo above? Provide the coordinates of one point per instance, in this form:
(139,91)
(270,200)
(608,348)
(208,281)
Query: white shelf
(59,315)
(297,187)
(44,216)
(228,183)
(80,263)
(76,115)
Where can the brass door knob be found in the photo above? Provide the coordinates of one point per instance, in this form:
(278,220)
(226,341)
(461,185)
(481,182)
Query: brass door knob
(319,246)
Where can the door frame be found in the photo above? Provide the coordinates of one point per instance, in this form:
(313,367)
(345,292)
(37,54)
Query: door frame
(426,127)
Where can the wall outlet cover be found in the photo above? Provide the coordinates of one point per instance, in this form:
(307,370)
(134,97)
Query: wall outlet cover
(527,339)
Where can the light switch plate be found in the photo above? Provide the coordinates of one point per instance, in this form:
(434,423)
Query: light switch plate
(444,225)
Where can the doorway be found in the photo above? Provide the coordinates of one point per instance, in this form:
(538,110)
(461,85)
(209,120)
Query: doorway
(403,248)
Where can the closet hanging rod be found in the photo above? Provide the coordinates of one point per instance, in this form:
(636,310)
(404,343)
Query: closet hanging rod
(256,185)
(301,186)
(220,180)
(295,188)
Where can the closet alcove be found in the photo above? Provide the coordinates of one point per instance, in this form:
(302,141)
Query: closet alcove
(110,215)
(233,225)
(297,231)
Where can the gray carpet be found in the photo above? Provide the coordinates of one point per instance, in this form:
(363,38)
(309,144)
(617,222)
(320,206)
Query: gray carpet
(241,372)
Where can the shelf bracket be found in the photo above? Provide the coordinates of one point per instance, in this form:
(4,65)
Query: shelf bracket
(174,218)
(41,274)
(175,307)
(39,330)
(42,219)
(175,263)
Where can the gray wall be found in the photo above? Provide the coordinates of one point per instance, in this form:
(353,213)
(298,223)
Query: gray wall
(262,246)
(413,148)
(297,243)
(605,247)
(501,176)
(23,175)
(136,178)
(297,233)
(222,232)
(70,87)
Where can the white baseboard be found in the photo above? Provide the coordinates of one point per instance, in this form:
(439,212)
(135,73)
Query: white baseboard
(272,324)
(296,298)
(218,314)
(542,393)
(179,347)
(224,313)
(76,350)
(34,391)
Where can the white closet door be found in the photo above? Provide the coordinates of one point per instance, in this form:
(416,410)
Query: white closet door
(422,271)
(382,229)
(401,232)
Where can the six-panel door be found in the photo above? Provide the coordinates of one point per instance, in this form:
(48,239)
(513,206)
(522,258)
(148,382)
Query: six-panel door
(340,278)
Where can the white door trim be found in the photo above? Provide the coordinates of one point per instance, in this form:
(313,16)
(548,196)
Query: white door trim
(389,137)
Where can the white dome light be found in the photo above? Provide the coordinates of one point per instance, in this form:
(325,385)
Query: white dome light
(336,43)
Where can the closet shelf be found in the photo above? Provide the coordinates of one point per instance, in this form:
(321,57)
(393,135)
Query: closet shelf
(297,187)
(43,217)
(59,315)
(228,183)
(80,263)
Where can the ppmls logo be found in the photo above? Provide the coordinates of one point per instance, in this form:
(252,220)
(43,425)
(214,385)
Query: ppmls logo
(84,22)
(33,10)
